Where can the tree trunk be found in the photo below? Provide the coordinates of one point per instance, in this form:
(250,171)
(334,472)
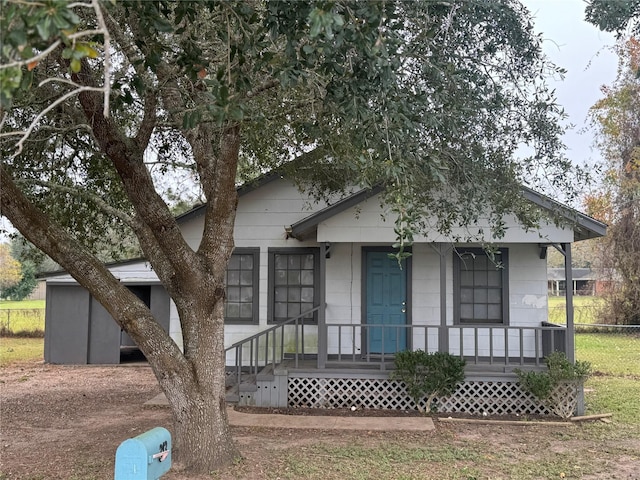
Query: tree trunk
(203,437)
(196,391)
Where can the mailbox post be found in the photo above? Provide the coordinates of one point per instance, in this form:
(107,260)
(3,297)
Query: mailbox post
(145,457)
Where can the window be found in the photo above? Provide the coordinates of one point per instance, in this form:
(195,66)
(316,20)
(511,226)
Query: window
(293,283)
(481,287)
(242,286)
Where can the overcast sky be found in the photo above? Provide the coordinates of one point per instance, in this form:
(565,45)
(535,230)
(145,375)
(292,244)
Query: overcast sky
(581,49)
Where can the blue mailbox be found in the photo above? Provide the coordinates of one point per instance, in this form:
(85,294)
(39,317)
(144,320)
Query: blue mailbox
(145,457)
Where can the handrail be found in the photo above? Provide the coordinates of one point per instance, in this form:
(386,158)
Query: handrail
(270,329)
(254,341)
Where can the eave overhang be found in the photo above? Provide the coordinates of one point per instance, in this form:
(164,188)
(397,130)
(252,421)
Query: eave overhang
(307,226)
(584,227)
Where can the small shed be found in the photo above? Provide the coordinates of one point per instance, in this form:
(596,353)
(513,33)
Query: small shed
(78,330)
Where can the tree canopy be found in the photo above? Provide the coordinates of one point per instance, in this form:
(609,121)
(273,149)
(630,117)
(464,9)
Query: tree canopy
(103,102)
(614,16)
(425,97)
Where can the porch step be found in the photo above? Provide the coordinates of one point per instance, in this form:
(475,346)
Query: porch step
(236,393)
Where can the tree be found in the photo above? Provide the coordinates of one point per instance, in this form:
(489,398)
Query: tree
(24,287)
(32,261)
(616,118)
(614,16)
(429,99)
(11,271)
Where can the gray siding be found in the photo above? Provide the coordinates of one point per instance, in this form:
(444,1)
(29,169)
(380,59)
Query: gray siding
(104,336)
(66,325)
(78,330)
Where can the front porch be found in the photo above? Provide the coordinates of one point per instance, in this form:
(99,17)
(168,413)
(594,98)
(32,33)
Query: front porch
(335,357)
(280,368)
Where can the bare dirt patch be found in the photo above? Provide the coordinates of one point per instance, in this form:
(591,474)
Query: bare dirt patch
(65,422)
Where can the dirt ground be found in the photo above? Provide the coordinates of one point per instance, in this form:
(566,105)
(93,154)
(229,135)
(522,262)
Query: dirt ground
(62,422)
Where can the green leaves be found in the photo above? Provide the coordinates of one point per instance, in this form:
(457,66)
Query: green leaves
(431,374)
(548,386)
(32,28)
(431,100)
(613,16)
(326,22)
(76,52)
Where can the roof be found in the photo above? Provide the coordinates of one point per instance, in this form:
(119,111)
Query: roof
(242,190)
(576,274)
(584,227)
(308,225)
(118,263)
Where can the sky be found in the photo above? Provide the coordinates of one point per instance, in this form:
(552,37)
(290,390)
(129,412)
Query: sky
(581,49)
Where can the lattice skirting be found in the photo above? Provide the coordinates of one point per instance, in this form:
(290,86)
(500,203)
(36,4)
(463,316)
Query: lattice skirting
(471,397)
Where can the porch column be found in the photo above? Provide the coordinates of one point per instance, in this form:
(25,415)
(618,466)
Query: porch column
(568,275)
(322,322)
(443,334)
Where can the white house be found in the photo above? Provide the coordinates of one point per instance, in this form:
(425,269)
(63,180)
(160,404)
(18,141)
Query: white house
(316,308)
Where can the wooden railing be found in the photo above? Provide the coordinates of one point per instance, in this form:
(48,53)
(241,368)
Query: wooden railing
(481,345)
(478,344)
(268,346)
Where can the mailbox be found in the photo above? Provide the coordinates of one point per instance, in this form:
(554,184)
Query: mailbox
(145,457)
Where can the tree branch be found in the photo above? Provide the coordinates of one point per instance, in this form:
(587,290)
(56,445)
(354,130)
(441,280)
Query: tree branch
(148,122)
(52,239)
(26,133)
(104,206)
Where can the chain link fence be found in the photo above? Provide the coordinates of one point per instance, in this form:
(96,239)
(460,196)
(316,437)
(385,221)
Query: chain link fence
(584,320)
(22,322)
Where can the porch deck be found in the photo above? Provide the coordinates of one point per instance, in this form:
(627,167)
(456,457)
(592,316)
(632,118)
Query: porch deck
(301,383)
(277,368)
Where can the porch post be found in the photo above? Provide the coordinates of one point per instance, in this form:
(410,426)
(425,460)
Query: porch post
(568,275)
(322,323)
(443,334)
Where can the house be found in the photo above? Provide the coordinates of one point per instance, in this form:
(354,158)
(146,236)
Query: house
(316,308)
(586,281)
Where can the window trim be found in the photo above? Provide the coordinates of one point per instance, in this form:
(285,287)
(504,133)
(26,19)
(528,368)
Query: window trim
(272,252)
(255,252)
(457,263)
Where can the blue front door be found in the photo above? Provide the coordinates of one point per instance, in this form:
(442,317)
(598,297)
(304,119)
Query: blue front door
(386,303)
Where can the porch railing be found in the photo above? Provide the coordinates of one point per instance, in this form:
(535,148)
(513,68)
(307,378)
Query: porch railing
(350,345)
(268,346)
(509,346)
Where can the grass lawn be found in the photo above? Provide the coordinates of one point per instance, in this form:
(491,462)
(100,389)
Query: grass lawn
(14,349)
(614,386)
(23,304)
(584,309)
(610,354)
